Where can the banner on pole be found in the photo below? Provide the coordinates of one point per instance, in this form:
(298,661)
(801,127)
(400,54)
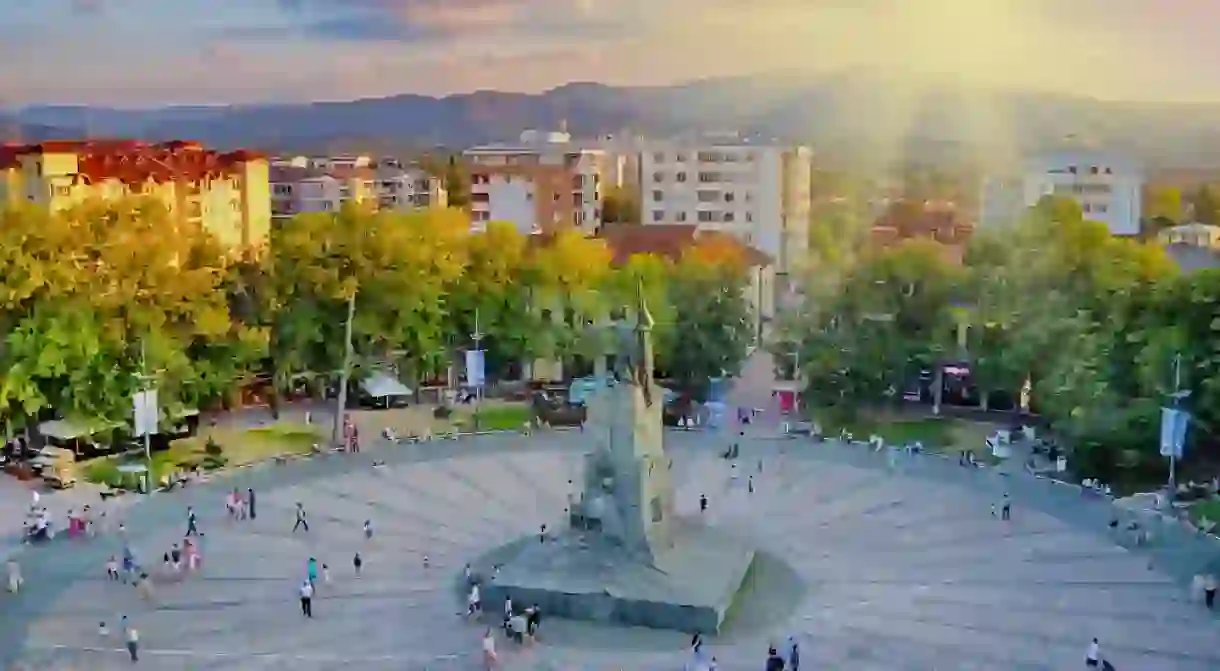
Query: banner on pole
(145,406)
(474,368)
(1173,431)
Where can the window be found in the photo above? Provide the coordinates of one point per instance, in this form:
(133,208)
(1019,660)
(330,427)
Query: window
(1109,171)
(1094,170)
(1087,208)
(658,215)
(62,191)
(1072,169)
(729,197)
(658,177)
(728,216)
(708,157)
(707,216)
(658,195)
(680,158)
(681,216)
(681,177)
(705,196)
(659,157)
(1101,207)
(749,217)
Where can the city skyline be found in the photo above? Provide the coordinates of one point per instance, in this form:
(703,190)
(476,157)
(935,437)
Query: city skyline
(151,53)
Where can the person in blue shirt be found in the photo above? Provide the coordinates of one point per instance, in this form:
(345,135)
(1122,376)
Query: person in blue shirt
(312,569)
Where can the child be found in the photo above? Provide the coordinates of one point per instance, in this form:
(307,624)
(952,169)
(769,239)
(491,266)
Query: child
(112,568)
(102,631)
(325,573)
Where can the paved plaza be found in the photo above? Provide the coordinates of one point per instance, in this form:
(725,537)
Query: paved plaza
(897,570)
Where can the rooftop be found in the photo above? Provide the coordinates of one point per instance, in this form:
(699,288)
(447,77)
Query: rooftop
(670,242)
(133,161)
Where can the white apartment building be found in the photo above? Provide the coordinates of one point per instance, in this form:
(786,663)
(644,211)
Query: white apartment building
(542,183)
(298,190)
(758,193)
(323,162)
(1108,188)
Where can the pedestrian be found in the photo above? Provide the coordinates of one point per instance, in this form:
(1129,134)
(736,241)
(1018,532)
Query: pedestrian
(368,530)
(306,592)
(325,574)
(794,655)
(250,502)
(533,618)
(1092,656)
(103,632)
(301,521)
(703,503)
(133,644)
(357,564)
(774,661)
(542,533)
(474,603)
(175,556)
(993,510)
(112,568)
(1209,590)
(311,570)
(489,650)
(750,484)
(192,523)
(1006,508)
(144,587)
(426,561)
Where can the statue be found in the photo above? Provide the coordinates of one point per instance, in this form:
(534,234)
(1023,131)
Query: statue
(633,353)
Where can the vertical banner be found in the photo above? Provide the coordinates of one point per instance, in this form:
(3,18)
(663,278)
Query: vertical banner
(1173,431)
(474,368)
(145,406)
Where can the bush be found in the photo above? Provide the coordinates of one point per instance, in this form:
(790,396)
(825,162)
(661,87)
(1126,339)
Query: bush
(214,462)
(442,412)
(213,448)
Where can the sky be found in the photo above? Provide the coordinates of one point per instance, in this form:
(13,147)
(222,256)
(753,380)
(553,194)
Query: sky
(154,52)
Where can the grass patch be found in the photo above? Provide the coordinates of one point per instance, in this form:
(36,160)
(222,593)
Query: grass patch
(937,434)
(498,417)
(1208,509)
(212,448)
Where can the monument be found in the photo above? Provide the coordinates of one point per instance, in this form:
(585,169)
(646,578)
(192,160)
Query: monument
(625,557)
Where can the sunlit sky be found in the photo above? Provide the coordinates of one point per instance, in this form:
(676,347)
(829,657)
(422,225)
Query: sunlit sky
(153,52)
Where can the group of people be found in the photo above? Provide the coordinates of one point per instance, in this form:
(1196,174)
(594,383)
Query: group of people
(241,506)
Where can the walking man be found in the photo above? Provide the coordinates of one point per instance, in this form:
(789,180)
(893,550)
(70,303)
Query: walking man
(133,644)
(301,521)
(1209,590)
(1006,508)
(250,502)
(1092,656)
(192,523)
(357,564)
(307,599)
(703,503)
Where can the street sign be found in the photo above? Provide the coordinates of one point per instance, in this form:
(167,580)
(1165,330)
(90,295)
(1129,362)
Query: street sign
(1173,431)
(144,404)
(475,374)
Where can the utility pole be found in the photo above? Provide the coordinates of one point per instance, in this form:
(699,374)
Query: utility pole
(146,411)
(477,337)
(1177,403)
(344,374)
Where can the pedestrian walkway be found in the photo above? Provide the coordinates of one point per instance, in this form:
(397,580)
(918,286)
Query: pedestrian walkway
(867,567)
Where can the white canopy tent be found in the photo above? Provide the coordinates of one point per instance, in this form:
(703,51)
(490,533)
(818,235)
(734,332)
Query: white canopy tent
(384,387)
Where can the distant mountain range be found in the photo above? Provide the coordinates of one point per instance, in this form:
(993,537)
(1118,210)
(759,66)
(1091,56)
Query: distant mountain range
(847,115)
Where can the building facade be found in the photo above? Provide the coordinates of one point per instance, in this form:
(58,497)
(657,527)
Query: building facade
(760,194)
(541,184)
(228,194)
(304,189)
(1108,188)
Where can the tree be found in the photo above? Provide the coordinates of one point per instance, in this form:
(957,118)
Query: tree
(712,326)
(397,267)
(570,271)
(457,183)
(95,294)
(1205,205)
(1164,204)
(620,205)
(495,286)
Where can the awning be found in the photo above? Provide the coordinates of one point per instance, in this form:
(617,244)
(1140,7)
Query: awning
(63,429)
(381,385)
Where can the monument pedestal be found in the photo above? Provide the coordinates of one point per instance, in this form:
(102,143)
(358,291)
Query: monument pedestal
(580,576)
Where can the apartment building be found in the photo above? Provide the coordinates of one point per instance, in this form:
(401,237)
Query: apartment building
(324,162)
(297,189)
(540,184)
(1109,189)
(227,193)
(758,193)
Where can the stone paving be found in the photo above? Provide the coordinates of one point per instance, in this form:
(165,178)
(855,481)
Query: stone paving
(901,570)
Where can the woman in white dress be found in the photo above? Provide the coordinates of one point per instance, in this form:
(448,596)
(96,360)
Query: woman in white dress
(490,660)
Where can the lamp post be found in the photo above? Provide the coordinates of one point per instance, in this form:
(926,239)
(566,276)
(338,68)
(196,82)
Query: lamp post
(344,373)
(474,368)
(144,406)
(1177,396)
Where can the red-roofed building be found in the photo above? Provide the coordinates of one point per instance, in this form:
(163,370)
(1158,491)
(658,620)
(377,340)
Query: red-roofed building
(227,193)
(910,220)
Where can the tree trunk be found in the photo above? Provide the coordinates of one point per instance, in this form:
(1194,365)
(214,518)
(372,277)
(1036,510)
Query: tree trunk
(938,388)
(985,400)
